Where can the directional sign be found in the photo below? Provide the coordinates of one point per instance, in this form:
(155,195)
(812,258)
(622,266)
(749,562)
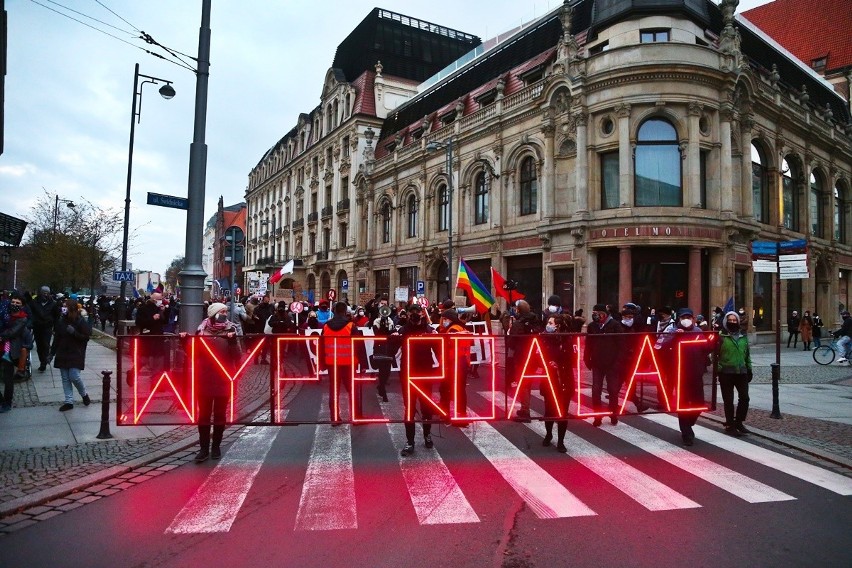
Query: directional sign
(800,245)
(764,266)
(168,201)
(123,276)
(764,247)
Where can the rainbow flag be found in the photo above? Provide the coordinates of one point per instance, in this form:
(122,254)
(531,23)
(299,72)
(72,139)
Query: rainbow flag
(476,290)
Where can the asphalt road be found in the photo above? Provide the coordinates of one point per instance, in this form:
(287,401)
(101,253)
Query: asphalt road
(487,495)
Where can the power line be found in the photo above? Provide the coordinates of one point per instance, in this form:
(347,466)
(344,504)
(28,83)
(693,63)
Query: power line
(117,16)
(88,16)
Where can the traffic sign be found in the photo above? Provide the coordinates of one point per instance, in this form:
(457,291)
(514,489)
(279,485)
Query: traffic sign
(345,285)
(421,287)
(423,301)
(332,294)
(297,307)
(123,276)
(168,201)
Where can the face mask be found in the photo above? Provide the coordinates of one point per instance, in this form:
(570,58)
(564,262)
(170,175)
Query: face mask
(552,309)
(550,328)
(445,323)
(15,309)
(221,318)
(159,303)
(686,322)
(732,326)
(64,310)
(627,321)
(360,313)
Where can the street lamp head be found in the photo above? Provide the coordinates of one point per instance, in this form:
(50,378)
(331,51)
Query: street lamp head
(70,204)
(434,145)
(167,91)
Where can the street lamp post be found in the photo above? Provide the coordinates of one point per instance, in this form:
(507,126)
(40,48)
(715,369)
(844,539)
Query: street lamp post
(448,146)
(68,203)
(167,92)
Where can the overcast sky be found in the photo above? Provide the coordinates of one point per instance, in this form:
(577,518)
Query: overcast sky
(69,90)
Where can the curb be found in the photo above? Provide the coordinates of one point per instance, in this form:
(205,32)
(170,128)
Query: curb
(785,441)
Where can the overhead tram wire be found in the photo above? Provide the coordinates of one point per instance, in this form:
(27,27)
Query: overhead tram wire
(88,16)
(179,63)
(174,53)
(119,17)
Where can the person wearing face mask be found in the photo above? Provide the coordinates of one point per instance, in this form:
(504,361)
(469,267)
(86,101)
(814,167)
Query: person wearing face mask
(817,330)
(45,314)
(603,356)
(323,313)
(339,359)
(213,389)
(735,372)
(418,357)
(450,324)
(525,325)
(806,328)
(150,321)
(17,334)
(554,307)
(361,319)
(631,322)
(69,352)
(559,354)
(693,363)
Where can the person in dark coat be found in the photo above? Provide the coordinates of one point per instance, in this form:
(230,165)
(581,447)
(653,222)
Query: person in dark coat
(45,314)
(793,329)
(518,342)
(419,358)
(603,357)
(18,335)
(70,339)
(560,358)
(259,316)
(213,389)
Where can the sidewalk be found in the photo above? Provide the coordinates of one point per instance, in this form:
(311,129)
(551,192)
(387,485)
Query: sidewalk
(46,454)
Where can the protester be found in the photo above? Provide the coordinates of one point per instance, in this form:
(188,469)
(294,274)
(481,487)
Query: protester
(339,359)
(45,313)
(451,325)
(69,352)
(560,358)
(735,372)
(417,357)
(324,315)
(16,335)
(517,346)
(603,357)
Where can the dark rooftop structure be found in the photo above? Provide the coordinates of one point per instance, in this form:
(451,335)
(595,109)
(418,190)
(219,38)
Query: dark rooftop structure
(407,47)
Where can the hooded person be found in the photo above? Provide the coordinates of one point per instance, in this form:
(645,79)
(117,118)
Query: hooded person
(733,359)
(339,359)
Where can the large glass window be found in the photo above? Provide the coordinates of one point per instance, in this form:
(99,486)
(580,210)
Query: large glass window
(529,187)
(609,180)
(386,222)
(653,36)
(839,216)
(759,189)
(411,215)
(815,206)
(382,281)
(480,196)
(658,172)
(762,302)
(790,197)
(443,207)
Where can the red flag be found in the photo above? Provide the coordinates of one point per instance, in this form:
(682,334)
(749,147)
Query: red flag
(500,288)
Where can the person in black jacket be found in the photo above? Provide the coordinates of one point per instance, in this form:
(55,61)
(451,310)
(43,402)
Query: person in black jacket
(793,329)
(517,347)
(18,334)
(417,356)
(603,357)
(560,358)
(262,313)
(45,314)
(69,352)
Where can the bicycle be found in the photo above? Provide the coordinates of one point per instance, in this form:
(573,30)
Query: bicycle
(825,354)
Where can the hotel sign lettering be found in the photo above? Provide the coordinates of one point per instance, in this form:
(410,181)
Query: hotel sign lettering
(654,231)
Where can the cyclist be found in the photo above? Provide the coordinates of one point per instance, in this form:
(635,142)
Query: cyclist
(845,335)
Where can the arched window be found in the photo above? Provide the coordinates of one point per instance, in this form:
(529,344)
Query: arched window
(411,215)
(815,205)
(386,222)
(658,176)
(759,186)
(839,215)
(480,196)
(790,198)
(529,187)
(443,207)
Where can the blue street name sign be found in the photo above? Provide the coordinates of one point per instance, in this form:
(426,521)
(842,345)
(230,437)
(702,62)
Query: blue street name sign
(123,276)
(168,201)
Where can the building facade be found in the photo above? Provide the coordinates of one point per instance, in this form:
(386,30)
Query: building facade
(608,152)
(226,217)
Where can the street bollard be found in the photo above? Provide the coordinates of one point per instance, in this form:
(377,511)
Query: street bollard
(104,434)
(776,376)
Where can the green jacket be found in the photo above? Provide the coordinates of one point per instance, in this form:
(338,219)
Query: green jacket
(733,354)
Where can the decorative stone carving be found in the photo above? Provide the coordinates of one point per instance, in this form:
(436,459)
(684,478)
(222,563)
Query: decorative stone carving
(622,110)
(379,67)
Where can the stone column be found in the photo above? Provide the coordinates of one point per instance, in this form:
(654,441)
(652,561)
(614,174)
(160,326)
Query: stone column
(625,157)
(725,162)
(693,157)
(694,283)
(625,275)
(582,164)
(548,182)
(746,124)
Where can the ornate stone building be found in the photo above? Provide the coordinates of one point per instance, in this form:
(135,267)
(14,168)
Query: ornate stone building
(612,151)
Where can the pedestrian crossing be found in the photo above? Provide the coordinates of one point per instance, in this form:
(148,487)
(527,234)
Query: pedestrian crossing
(437,496)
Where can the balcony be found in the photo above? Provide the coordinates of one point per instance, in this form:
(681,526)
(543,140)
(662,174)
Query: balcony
(343,205)
(327,211)
(313,217)
(322,256)
(298,223)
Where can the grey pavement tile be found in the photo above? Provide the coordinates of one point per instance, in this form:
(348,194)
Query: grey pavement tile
(19,437)
(48,515)
(19,526)
(34,416)
(88,431)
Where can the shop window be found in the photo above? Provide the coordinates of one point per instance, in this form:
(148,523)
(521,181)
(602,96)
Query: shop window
(658,165)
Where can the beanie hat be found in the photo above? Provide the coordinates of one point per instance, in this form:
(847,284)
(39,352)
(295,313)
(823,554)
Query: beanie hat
(215,308)
(554,300)
(684,312)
